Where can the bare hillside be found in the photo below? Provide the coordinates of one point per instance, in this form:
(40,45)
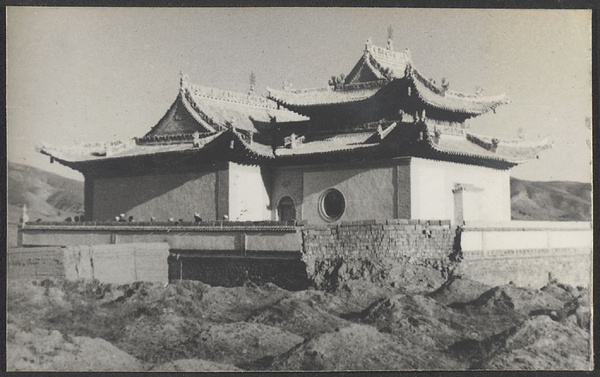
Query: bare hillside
(48,196)
(550,201)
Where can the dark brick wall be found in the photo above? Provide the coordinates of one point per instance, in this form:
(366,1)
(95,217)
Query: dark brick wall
(230,272)
(426,243)
(163,196)
(35,263)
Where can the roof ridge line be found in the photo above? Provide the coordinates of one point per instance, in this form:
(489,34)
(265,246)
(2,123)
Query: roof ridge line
(303,90)
(254,100)
(522,143)
(203,119)
(414,73)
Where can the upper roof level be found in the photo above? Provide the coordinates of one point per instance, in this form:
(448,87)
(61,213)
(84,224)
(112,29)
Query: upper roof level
(381,67)
(207,124)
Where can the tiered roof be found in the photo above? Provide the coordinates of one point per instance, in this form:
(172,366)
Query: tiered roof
(380,67)
(207,124)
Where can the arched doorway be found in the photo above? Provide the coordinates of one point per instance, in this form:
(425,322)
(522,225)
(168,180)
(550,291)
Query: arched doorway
(286,210)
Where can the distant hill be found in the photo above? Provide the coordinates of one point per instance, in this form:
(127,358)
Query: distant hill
(558,200)
(52,197)
(48,196)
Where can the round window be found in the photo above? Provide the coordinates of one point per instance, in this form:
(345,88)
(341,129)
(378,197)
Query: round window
(332,205)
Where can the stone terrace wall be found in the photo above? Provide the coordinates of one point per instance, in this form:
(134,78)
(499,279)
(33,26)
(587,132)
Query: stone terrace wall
(532,267)
(419,242)
(35,263)
(116,264)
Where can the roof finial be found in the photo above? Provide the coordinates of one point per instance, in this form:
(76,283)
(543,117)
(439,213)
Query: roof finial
(368,44)
(390,42)
(252,81)
(181,78)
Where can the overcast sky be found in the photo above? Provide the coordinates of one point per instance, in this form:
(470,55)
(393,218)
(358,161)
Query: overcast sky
(102,74)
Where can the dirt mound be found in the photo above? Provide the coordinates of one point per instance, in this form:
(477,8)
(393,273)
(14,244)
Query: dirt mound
(458,290)
(194,365)
(562,292)
(43,350)
(330,302)
(542,344)
(360,325)
(302,314)
(234,304)
(578,311)
(242,343)
(501,308)
(576,304)
(165,322)
(359,347)
(34,300)
(510,298)
(420,319)
(359,294)
(411,278)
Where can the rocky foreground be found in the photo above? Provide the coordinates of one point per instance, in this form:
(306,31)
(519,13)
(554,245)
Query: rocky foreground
(56,325)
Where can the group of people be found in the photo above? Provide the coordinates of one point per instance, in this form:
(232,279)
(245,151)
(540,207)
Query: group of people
(122,218)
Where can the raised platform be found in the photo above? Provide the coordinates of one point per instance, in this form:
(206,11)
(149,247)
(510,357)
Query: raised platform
(525,253)
(223,238)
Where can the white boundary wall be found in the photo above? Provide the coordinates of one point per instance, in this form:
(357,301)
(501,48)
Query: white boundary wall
(527,252)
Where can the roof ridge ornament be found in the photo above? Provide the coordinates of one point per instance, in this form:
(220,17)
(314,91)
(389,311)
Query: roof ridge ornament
(252,82)
(368,44)
(183,79)
(337,83)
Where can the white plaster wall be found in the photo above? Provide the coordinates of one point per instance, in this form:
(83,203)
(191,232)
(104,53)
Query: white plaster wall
(474,205)
(369,193)
(509,239)
(248,197)
(432,183)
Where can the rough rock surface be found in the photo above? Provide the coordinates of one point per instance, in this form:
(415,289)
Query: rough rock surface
(301,314)
(542,344)
(458,290)
(510,298)
(420,319)
(361,324)
(241,342)
(44,350)
(331,274)
(360,347)
(194,365)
